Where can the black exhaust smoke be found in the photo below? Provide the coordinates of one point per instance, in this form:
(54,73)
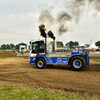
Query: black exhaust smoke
(51,35)
(42,30)
(43,34)
(63,19)
(72,13)
(46,18)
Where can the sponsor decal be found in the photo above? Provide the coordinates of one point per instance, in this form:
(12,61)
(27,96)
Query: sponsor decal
(64,58)
(64,61)
(51,61)
(80,51)
(59,60)
(75,50)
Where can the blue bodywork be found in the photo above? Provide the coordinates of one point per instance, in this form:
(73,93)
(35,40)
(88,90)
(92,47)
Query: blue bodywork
(61,60)
(33,59)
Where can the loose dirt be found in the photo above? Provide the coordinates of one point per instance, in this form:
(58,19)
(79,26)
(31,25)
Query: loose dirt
(5,54)
(19,72)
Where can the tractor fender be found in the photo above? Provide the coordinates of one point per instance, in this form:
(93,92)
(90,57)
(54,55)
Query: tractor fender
(40,56)
(72,57)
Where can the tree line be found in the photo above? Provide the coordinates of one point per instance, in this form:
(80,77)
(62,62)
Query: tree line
(11,46)
(69,44)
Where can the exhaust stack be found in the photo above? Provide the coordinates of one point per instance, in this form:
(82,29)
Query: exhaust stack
(43,34)
(50,34)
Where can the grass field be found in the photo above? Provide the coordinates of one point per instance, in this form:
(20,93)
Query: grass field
(10,92)
(25,54)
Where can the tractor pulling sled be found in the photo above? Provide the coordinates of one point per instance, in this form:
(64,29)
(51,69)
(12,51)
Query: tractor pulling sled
(41,55)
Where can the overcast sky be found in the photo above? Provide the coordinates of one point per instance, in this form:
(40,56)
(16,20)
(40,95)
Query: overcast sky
(19,21)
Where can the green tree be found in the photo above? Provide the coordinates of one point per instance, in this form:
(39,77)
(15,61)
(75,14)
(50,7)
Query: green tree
(22,44)
(17,46)
(3,46)
(97,43)
(76,43)
(87,45)
(71,44)
(59,44)
(8,46)
(12,46)
(67,44)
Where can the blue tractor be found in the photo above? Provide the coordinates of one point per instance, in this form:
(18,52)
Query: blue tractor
(39,55)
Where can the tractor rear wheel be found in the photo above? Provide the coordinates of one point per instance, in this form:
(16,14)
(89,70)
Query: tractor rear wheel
(78,63)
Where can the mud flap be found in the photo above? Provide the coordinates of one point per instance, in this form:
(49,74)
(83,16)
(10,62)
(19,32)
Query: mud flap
(87,59)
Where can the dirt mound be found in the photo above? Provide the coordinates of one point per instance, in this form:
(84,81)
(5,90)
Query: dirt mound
(5,54)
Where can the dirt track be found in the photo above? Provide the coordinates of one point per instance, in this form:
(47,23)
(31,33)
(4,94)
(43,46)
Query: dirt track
(18,71)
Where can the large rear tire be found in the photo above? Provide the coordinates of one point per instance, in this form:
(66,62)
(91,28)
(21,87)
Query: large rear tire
(40,63)
(78,63)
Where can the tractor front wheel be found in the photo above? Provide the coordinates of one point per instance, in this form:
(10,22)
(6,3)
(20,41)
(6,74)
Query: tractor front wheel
(40,63)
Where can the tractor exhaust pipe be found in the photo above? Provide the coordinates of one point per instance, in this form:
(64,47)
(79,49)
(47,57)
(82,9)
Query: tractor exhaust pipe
(43,34)
(54,44)
(45,45)
(50,34)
